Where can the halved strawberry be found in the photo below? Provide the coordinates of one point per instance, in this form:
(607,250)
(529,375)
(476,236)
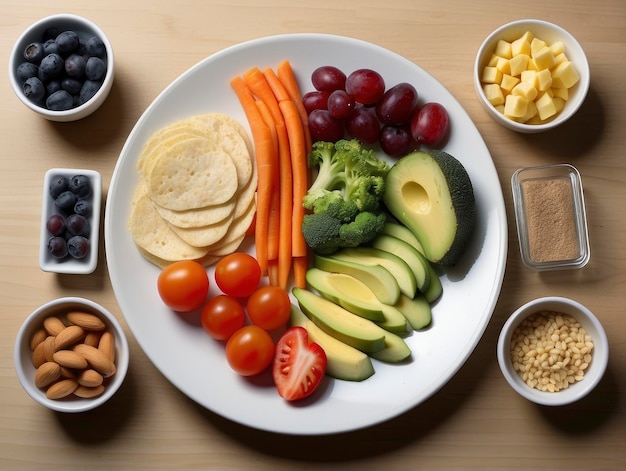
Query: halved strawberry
(299,366)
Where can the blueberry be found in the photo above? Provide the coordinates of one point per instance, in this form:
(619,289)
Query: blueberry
(78,246)
(77,225)
(55,225)
(83,207)
(95,47)
(80,185)
(58,185)
(34,52)
(75,65)
(53,86)
(95,68)
(66,201)
(67,42)
(50,47)
(60,100)
(52,65)
(71,85)
(34,89)
(25,71)
(57,246)
(88,90)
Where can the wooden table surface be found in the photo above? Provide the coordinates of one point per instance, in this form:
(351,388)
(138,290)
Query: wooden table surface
(475,421)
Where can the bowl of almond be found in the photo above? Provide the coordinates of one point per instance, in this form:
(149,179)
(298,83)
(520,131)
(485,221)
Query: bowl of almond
(71,355)
(531,75)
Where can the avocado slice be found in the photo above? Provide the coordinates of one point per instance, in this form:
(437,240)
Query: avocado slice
(396,349)
(394,321)
(416,311)
(347,291)
(343,361)
(382,283)
(349,328)
(435,288)
(400,231)
(396,266)
(431,194)
(414,259)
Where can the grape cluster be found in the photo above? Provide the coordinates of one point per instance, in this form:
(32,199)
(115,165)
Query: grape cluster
(62,71)
(70,225)
(361,106)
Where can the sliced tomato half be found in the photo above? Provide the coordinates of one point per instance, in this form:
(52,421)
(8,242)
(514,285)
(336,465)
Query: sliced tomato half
(299,366)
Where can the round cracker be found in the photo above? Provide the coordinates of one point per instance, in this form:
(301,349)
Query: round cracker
(206,235)
(199,217)
(192,174)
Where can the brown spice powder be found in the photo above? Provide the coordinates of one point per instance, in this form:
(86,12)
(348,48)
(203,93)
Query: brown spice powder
(550,220)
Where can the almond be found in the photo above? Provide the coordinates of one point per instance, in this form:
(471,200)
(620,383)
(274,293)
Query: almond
(90,378)
(49,347)
(70,359)
(47,374)
(53,325)
(69,336)
(92,338)
(68,373)
(87,392)
(38,357)
(38,337)
(107,345)
(96,359)
(61,389)
(86,321)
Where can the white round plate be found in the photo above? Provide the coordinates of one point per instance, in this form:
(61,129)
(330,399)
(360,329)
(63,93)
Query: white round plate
(196,364)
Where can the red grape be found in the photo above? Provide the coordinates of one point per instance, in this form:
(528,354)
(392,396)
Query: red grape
(328,78)
(396,141)
(324,127)
(397,104)
(315,100)
(340,104)
(430,124)
(366,86)
(364,125)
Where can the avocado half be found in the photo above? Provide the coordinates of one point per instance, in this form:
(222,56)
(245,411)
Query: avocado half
(431,194)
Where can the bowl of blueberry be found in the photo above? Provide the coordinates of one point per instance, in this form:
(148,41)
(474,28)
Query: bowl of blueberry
(62,67)
(70,221)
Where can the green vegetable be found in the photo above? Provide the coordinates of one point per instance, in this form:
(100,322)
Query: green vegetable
(346,196)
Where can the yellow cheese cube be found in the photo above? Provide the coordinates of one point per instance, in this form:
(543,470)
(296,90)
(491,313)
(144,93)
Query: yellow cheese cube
(564,75)
(543,59)
(537,44)
(560,58)
(525,90)
(562,93)
(557,48)
(545,106)
(493,60)
(508,82)
(503,49)
(503,65)
(500,109)
(515,106)
(520,46)
(559,103)
(529,76)
(519,64)
(491,75)
(543,80)
(528,36)
(494,94)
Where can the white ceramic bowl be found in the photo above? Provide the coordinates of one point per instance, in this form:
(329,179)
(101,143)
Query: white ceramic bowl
(23,354)
(593,374)
(549,33)
(85,29)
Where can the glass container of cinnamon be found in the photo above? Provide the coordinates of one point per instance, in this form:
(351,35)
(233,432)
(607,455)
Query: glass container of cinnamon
(550,216)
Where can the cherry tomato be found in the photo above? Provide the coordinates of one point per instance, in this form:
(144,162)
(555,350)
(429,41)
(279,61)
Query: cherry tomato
(238,274)
(299,366)
(183,286)
(250,350)
(269,307)
(222,316)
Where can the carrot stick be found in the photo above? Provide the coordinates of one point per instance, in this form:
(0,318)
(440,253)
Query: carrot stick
(300,266)
(277,87)
(289,81)
(264,150)
(257,83)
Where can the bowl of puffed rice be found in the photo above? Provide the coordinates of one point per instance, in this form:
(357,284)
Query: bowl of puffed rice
(553,351)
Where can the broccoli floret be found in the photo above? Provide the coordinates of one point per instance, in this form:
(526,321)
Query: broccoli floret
(363,229)
(334,204)
(321,232)
(330,167)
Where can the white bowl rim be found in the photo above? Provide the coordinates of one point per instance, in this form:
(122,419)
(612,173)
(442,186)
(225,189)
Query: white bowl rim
(95,101)
(585,75)
(592,376)
(78,405)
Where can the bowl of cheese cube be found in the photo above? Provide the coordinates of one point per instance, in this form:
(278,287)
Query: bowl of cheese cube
(531,75)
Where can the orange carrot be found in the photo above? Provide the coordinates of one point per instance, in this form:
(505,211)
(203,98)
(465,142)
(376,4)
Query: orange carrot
(300,267)
(256,82)
(264,150)
(277,87)
(289,81)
